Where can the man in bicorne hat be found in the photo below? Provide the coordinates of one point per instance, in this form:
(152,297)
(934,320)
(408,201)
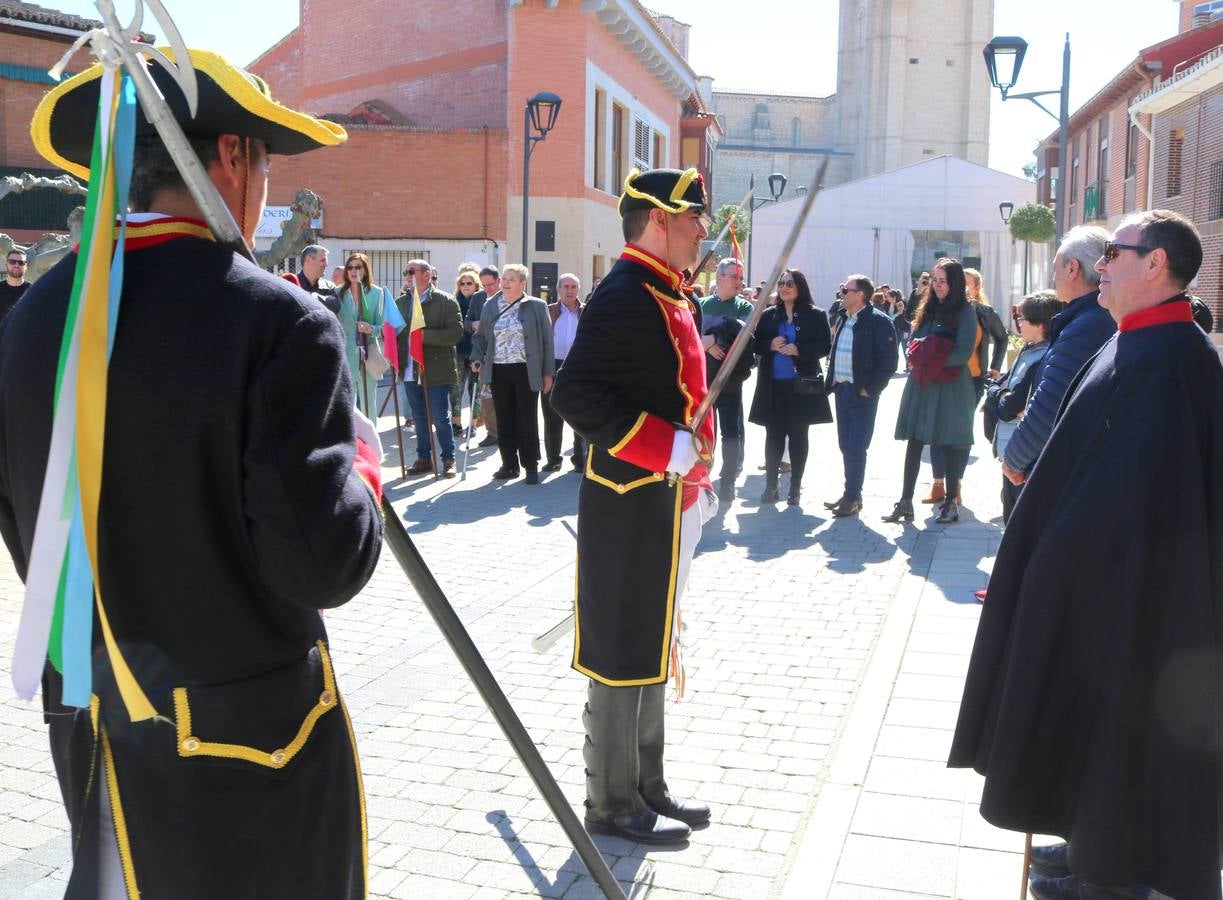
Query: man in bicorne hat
(630,384)
(235,504)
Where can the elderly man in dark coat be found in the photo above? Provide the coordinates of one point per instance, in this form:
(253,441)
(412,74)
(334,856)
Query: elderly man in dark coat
(1094,699)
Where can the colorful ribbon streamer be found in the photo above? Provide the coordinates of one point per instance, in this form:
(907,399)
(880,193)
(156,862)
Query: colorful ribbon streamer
(62,586)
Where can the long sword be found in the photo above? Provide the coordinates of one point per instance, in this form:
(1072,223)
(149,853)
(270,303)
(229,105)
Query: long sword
(748,331)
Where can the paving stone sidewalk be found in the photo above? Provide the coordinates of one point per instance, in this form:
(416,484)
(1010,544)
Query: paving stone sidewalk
(824,663)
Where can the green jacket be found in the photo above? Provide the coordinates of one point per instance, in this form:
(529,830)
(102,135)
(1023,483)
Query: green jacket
(942,414)
(443,329)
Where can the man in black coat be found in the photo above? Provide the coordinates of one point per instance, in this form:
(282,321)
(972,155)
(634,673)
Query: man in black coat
(1094,703)
(862,361)
(233,508)
(630,384)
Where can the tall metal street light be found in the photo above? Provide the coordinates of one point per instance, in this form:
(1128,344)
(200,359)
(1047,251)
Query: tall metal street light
(1003,59)
(538,119)
(777,185)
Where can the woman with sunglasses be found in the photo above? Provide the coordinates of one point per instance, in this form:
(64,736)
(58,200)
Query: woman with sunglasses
(363,307)
(466,286)
(791,338)
(940,411)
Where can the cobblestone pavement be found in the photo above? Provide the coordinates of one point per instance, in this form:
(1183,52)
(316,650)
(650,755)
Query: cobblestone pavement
(785,611)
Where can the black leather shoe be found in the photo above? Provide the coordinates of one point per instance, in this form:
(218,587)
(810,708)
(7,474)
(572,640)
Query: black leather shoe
(949,513)
(794,497)
(1073,888)
(503,473)
(901,512)
(1050,862)
(532,476)
(833,504)
(770,495)
(645,828)
(579,463)
(554,465)
(847,508)
(490,440)
(420,467)
(690,812)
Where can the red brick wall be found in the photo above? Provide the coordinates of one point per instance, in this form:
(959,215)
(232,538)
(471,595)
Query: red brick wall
(439,62)
(1203,146)
(280,67)
(18,98)
(542,58)
(403,183)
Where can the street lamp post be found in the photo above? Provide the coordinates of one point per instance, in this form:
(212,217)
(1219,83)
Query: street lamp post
(777,185)
(1005,208)
(1003,59)
(538,119)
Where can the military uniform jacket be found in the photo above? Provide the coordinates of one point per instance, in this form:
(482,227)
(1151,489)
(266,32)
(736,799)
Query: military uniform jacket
(230,514)
(635,373)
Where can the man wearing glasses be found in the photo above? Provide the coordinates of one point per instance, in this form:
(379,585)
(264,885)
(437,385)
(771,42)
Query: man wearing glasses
(14,280)
(1075,334)
(861,363)
(722,315)
(1093,704)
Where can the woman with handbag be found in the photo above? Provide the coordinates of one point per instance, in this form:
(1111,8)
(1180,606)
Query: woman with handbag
(512,351)
(791,338)
(363,306)
(939,398)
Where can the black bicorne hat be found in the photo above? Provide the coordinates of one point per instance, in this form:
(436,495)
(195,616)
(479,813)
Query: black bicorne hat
(670,190)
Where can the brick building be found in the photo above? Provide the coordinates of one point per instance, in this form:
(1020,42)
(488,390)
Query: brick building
(32,40)
(434,105)
(1151,138)
(1186,112)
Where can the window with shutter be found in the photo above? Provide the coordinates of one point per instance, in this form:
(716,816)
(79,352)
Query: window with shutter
(641,144)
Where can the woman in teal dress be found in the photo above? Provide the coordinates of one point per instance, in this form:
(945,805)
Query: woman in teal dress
(363,307)
(940,413)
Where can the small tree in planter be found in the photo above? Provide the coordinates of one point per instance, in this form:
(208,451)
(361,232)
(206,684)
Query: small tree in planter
(1032,222)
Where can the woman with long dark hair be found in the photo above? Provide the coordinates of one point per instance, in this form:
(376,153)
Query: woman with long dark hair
(362,310)
(939,397)
(791,338)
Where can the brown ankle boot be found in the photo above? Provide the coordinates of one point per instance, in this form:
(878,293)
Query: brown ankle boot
(937,494)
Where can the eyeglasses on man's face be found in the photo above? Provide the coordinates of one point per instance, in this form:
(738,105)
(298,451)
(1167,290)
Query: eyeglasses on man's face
(16,262)
(1112,250)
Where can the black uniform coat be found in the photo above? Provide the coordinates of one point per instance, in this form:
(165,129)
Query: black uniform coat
(230,514)
(1094,699)
(813,340)
(635,372)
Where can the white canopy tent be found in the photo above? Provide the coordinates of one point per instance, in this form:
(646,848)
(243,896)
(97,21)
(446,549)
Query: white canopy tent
(867,226)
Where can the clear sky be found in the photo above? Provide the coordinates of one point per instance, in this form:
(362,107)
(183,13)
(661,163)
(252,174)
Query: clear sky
(789,46)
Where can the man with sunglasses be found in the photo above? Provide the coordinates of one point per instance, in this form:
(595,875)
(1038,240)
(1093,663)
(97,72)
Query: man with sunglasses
(14,285)
(1093,704)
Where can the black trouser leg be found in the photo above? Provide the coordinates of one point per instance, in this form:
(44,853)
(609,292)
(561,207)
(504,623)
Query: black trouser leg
(799,445)
(610,751)
(912,467)
(504,401)
(730,416)
(776,431)
(1010,493)
(554,428)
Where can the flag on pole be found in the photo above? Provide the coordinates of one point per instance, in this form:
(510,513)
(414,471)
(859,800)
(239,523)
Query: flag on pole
(392,324)
(416,332)
(735,251)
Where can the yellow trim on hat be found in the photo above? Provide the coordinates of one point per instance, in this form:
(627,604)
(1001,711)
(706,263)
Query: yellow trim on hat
(678,205)
(249,93)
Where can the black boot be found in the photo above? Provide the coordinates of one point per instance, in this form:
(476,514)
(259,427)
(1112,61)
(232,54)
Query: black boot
(901,512)
(613,804)
(650,744)
(1050,861)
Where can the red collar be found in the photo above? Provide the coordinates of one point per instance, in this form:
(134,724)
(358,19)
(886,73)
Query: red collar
(650,261)
(1175,310)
